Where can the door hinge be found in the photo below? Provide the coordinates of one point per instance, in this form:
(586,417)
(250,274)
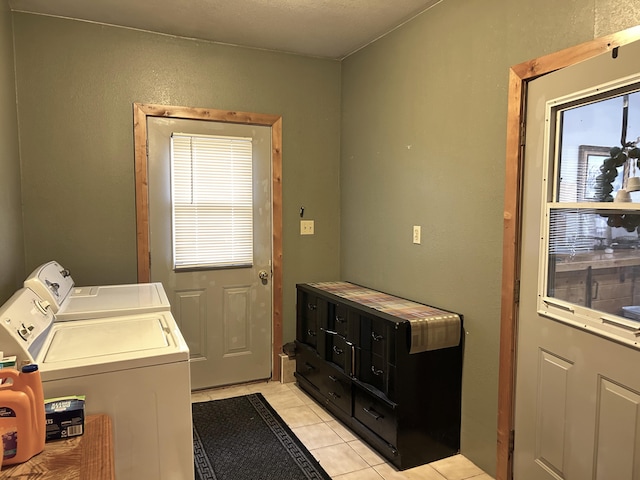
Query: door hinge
(512,435)
(149,260)
(523,131)
(516,291)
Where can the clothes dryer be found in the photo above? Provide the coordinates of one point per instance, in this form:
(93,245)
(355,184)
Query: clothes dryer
(54,284)
(135,368)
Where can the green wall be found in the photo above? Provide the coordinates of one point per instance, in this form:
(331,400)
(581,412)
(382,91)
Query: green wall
(423,143)
(77,82)
(11,241)
(423,114)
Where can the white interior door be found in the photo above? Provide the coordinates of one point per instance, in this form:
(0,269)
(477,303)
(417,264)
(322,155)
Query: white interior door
(577,412)
(225,314)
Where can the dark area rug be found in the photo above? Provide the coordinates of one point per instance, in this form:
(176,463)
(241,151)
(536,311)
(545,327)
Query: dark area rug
(243,438)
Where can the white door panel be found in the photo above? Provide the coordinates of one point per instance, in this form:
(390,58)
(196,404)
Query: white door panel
(224,314)
(577,413)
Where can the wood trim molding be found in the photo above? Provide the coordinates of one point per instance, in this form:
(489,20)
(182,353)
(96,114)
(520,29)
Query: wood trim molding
(140,113)
(519,76)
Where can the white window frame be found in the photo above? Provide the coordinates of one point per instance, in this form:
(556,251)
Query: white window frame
(607,325)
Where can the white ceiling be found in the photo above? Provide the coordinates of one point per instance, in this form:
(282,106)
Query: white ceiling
(321,28)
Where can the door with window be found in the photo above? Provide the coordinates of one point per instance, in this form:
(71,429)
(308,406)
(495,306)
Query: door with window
(210,242)
(577,412)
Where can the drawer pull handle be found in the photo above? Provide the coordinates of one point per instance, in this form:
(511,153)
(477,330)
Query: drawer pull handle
(311,306)
(334,395)
(375,371)
(376,337)
(337,350)
(333,378)
(339,319)
(310,367)
(373,413)
(311,333)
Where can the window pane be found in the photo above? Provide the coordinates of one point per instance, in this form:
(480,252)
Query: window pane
(212,179)
(592,264)
(593,166)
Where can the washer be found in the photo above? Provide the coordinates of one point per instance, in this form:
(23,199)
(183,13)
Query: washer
(135,368)
(54,283)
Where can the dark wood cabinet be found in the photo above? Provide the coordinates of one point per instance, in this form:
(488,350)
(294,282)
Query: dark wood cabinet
(358,353)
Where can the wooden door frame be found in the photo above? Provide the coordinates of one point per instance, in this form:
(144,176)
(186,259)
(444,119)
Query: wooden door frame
(519,76)
(140,113)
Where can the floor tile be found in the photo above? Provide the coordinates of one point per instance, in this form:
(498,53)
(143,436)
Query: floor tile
(317,436)
(366,474)
(367,453)
(321,412)
(295,390)
(299,416)
(282,399)
(343,432)
(388,472)
(202,396)
(457,467)
(423,472)
(339,459)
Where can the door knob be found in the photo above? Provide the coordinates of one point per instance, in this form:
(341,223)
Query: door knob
(263,275)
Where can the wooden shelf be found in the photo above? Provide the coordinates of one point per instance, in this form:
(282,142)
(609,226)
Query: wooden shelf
(87,456)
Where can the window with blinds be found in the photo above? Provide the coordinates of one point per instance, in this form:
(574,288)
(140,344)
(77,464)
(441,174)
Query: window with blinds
(212,201)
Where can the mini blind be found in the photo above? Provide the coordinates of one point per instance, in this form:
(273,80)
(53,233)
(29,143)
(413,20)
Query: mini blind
(212,197)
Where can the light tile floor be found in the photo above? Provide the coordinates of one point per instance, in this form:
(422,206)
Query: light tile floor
(340,452)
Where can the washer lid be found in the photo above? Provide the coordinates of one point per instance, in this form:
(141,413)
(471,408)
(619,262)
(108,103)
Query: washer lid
(106,338)
(112,300)
(87,347)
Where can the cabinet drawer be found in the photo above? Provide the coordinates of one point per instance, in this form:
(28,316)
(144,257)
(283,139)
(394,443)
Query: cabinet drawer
(309,365)
(308,321)
(338,351)
(336,387)
(373,370)
(376,415)
(337,318)
(375,336)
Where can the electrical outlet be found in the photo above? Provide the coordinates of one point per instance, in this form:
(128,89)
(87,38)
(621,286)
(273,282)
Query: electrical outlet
(416,234)
(306,227)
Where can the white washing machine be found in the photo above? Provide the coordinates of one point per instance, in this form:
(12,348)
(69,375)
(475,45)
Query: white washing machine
(54,283)
(135,368)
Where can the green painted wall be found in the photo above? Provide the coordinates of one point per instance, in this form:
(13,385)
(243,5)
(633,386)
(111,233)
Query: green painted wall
(77,82)
(11,241)
(423,143)
(423,114)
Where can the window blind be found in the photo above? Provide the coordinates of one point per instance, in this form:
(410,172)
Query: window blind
(212,197)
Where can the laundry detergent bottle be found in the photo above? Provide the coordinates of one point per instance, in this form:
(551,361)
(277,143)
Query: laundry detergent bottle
(22,418)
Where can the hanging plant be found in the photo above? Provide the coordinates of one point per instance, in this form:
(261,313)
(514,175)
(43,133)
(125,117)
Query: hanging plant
(618,156)
(609,170)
